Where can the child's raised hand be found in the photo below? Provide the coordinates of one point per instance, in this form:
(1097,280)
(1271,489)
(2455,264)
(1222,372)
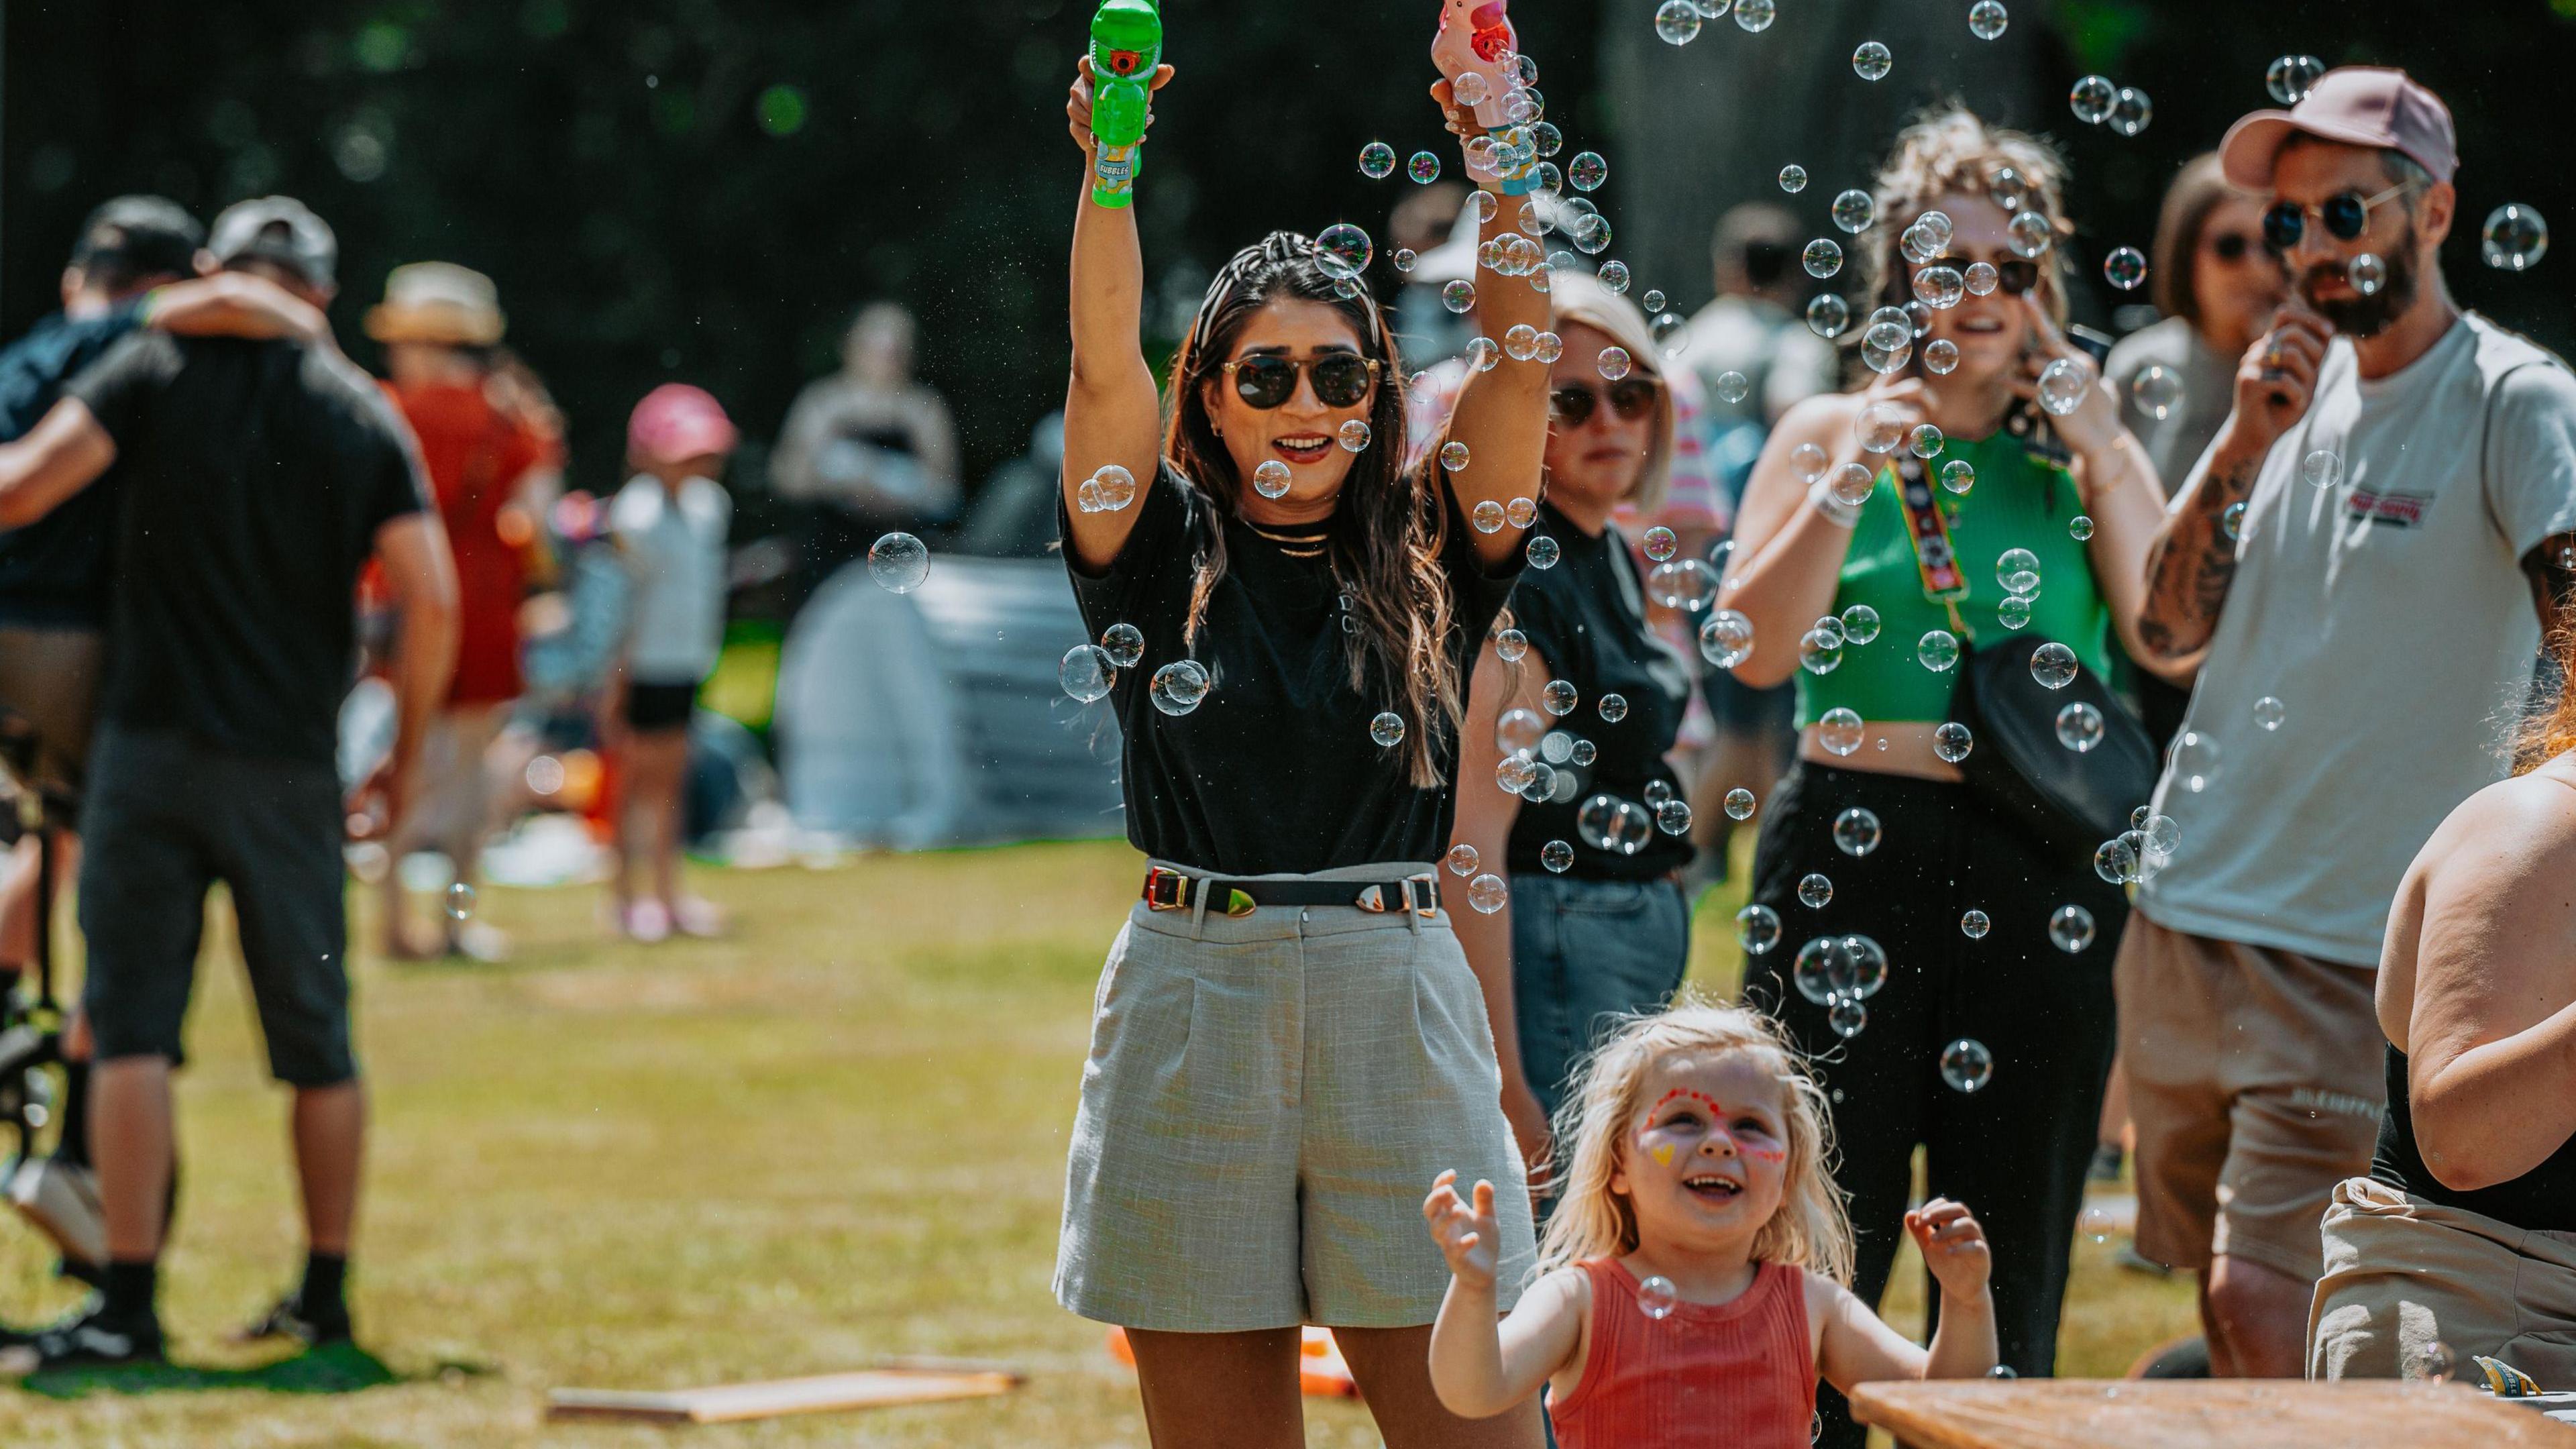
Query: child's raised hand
(1469,1236)
(1953,1245)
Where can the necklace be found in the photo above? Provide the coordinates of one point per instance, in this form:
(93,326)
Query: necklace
(1295,545)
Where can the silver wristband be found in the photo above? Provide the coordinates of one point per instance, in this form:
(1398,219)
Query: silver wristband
(1820,497)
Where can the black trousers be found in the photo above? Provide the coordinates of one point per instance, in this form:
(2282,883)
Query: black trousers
(2014,1151)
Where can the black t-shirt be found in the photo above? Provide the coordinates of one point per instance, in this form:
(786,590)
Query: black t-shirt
(1275,772)
(2542,1200)
(53,572)
(256,476)
(1587,618)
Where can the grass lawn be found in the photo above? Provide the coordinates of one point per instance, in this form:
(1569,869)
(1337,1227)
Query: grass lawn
(838,1136)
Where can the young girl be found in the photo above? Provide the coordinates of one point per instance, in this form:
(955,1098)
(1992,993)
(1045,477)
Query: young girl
(1693,1282)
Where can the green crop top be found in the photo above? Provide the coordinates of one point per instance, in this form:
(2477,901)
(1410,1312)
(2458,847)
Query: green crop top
(2018,502)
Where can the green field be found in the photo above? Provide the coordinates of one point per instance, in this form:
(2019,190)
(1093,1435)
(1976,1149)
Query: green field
(838,1136)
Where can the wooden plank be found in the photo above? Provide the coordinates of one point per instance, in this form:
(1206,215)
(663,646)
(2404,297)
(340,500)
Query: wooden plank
(2201,1414)
(733,1403)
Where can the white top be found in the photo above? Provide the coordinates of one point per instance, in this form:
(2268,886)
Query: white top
(2175,441)
(1783,363)
(676,551)
(2389,616)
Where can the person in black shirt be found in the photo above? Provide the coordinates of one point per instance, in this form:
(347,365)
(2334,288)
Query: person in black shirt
(2464,1234)
(1289,1044)
(259,477)
(1574,795)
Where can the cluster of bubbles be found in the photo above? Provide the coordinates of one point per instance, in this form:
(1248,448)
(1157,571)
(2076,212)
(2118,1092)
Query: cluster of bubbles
(1840,973)
(1377,162)
(2138,853)
(2098,102)
(1678,22)
(1108,491)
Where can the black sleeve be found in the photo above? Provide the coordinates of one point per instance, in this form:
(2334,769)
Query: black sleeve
(1157,557)
(1478,592)
(394,483)
(120,387)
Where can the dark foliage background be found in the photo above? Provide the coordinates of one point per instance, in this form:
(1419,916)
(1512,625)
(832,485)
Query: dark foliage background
(705,190)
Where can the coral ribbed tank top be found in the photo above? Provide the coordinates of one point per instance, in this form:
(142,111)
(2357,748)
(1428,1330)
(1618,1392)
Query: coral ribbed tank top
(1739,1375)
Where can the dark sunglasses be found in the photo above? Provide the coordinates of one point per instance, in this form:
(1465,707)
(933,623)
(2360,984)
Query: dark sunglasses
(2014,275)
(1630,397)
(1342,379)
(2230,246)
(2345,215)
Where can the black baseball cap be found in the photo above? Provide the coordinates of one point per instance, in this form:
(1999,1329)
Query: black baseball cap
(139,236)
(277,229)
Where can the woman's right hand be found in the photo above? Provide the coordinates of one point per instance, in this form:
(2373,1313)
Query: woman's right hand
(1077,105)
(1910,396)
(1470,1237)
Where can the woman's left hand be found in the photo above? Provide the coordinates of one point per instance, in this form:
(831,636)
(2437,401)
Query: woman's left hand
(2095,424)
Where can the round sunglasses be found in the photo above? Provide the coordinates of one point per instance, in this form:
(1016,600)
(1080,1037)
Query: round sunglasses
(2345,216)
(1342,379)
(1630,397)
(2014,275)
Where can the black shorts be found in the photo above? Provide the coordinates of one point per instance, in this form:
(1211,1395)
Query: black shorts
(165,819)
(659,706)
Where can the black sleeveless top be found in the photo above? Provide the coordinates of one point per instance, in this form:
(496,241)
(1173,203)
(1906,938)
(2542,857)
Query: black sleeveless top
(2541,1200)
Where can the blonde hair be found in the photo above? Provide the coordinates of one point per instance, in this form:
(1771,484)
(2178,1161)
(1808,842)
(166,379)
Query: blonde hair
(1811,1230)
(1580,299)
(1949,151)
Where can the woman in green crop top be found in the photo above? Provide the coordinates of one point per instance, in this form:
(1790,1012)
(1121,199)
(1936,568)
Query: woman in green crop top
(1874,835)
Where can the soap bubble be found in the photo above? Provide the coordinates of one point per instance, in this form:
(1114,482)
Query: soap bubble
(1608,823)
(1587,171)
(2092,99)
(1557,748)
(2116,861)
(1684,583)
(2017,569)
(2062,386)
(1852,484)
(1882,427)
(1966,1064)
(1614,275)
(1940,287)
(2095,1223)
(2155,390)
(2029,234)
(1823,257)
(2367,274)
(1856,832)
(1809,459)
(1659,543)
(1521,343)
(1958,475)
(2269,712)
(1545,137)
(1830,629)
(1853,211)
(1839,730)
(1793,178)
(1459,294)
(2071,929)
(1461,859)
(1377,160)
(1981,279)
(2125,268)
(2292,76)
(1673,817)
(2233,521)
(1952,741)
(1815,892)
(1986,19)
(1846,1016)
(1936,223)
(1940,356)
(2053,665)
(1518,729)
(1819,653)
(1124,644)
(460,901)
(2008,188)
(1511,644)
(1739,804)
(1828,315)
(1925,441)
(1938,651)
(2013,613)
(1550,347)
(1677,21)
(1974,925)
(1757,929)
(1343,251)
(899,563)
(1655,1294)
(1726,639)
(1557,856)
(2322,469)
(1086,673)
(1872,61)
(1453,456)
(1387,729)
(2194,761)
(1488,894)
(1486,517)
(1117,488)
(1653,300)
(1469,89)
(2514,238)
(2080,528)
(1611,707)
(1754,16)
(2132,111)
(1543,552)
(1354,435)
(1559,697)
(1671,333)
(1860,623)
(2079,727)
(1424,168)
(1615,363)
(1270,480)
(1180,686)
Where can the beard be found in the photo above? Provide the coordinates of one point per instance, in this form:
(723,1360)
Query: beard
(2368,316)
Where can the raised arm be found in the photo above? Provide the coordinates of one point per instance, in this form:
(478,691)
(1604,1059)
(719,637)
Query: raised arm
(236,304)
(2191,562)
(1111,410)
(1855,1347)
(61,455)
(1485,817)
(1502,414)
(1789,552)
(1479,1367)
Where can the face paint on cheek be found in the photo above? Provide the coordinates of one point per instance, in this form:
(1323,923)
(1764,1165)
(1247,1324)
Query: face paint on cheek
(1760,1153)
(1663,1153)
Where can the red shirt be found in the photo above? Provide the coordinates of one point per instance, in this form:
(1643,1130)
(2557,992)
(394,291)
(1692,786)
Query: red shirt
(1737,1375)
(475,455)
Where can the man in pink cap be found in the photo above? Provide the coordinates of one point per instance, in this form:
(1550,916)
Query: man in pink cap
(2362,562)
(670,523)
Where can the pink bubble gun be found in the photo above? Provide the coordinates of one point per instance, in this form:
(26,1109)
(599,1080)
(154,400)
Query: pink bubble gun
(1474,37)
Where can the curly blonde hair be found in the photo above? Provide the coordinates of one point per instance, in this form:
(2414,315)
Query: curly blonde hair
(1949,151)
(1594,1220)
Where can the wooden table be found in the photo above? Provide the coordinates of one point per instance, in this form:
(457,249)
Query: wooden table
(2202,1414)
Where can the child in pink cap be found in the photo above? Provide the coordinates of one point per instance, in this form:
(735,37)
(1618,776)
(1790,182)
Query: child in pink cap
(670,522)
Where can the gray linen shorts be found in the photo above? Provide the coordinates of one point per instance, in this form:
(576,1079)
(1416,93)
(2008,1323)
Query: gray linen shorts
(1267,1100)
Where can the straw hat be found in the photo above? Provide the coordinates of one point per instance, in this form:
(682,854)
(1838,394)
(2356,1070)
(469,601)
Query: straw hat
(437,302)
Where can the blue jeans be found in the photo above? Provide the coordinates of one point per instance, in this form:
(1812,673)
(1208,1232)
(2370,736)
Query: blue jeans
(1583,952)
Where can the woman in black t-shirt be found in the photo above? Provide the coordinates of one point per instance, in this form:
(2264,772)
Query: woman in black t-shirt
(1567,784)
(1288,1044)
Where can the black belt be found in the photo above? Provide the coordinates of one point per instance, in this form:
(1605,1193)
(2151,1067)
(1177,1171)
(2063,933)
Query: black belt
(1170,890)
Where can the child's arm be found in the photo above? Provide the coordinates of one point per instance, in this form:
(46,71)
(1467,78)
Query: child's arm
(1480,1368)
(1858,1348)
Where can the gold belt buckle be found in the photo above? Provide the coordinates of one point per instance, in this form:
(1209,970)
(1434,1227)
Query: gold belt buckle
(1429,895)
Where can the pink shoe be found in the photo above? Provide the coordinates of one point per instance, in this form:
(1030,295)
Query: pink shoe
(646,922)
(699,917)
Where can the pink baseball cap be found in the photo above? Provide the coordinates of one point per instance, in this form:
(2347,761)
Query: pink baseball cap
(2359,105)
(675,422)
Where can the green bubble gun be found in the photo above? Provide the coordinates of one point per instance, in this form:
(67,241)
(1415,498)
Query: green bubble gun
(1126,49)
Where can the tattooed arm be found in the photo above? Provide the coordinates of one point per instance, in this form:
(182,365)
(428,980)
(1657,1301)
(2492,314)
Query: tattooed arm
(2192,561)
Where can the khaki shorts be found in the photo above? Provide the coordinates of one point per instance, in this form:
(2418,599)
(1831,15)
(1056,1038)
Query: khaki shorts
(49,679)
(1267,1100)
(2403,1274)
(2255,1086)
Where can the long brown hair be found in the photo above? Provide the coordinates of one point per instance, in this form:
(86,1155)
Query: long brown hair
(1389,527)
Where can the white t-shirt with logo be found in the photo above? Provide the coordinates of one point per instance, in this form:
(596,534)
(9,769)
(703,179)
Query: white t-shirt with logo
(675,546)
(2385,622)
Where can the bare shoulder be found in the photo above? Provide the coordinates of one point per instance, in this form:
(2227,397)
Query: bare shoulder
(2525,823)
